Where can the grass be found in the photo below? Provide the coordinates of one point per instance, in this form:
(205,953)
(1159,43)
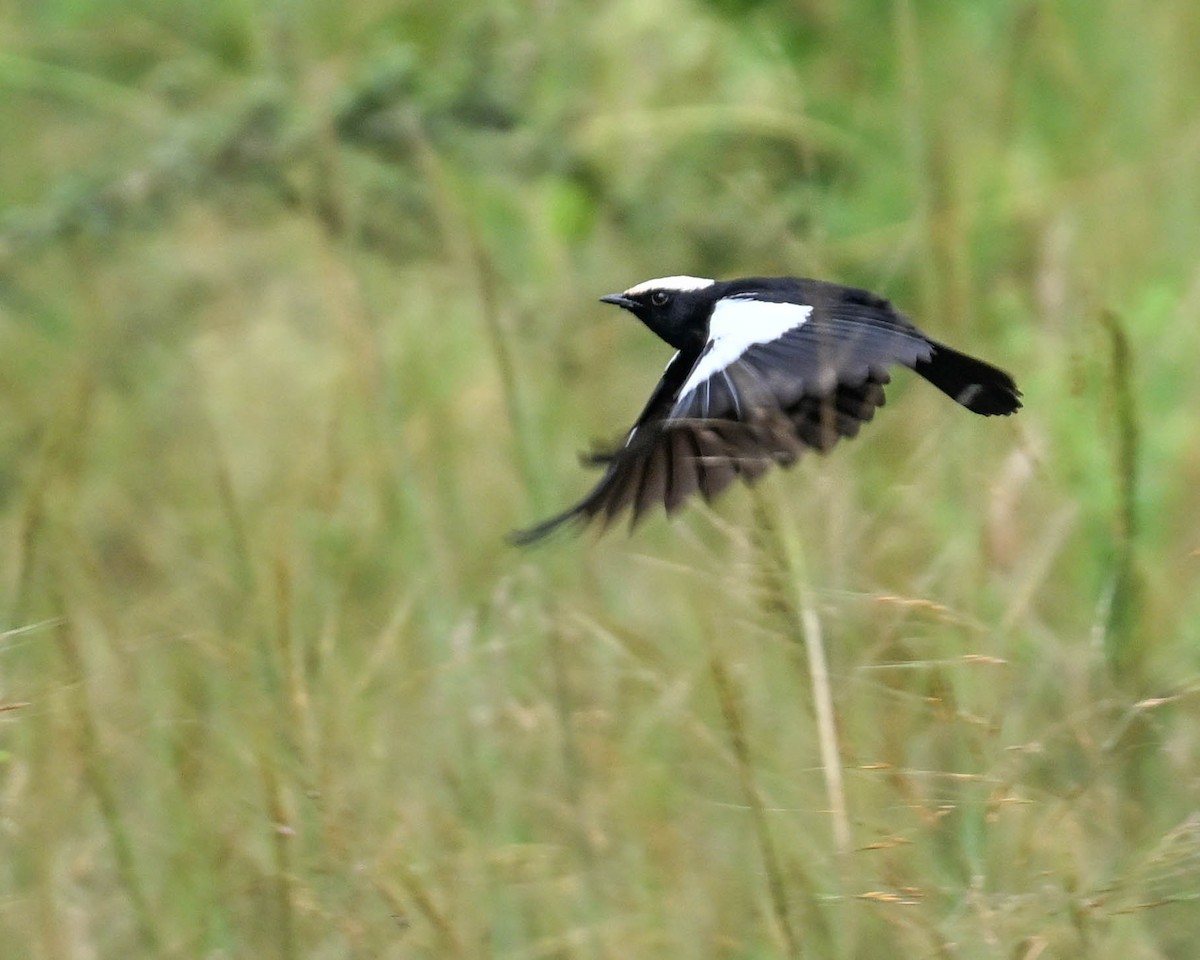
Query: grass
(297,320)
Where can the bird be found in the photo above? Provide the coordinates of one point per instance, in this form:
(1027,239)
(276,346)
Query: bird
(764,369)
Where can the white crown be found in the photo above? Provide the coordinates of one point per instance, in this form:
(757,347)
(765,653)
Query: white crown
(670,283)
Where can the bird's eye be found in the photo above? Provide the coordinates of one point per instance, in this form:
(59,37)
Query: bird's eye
(660,298)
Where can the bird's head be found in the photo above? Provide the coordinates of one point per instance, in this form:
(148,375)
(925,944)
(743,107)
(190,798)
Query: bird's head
(675,308)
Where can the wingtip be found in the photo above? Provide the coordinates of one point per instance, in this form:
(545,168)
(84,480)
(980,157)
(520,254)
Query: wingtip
(521,538)
(530,535)
(539,532)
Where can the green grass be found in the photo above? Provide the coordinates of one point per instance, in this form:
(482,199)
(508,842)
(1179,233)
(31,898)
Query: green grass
(297,320)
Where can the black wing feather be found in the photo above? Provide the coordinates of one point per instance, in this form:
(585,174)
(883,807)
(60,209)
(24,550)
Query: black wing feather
(810,360)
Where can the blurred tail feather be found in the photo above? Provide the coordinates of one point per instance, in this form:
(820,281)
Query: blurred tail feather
(978,386)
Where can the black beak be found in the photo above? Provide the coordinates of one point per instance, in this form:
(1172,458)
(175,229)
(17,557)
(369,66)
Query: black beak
(620,300)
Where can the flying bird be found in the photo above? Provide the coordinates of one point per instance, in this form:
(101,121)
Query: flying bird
(765,368)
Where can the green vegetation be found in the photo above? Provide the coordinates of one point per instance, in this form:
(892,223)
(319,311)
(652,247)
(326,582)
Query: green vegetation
(297,319)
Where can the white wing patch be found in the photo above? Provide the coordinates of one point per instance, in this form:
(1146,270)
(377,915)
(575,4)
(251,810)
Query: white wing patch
(679,284)
(737,324)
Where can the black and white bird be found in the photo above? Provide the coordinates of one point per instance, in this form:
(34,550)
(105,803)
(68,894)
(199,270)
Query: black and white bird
(765,368)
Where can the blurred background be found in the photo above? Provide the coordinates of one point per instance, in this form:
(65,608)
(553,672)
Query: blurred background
(298,318)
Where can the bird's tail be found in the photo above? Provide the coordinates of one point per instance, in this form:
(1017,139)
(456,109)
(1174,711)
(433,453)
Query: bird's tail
(978,386)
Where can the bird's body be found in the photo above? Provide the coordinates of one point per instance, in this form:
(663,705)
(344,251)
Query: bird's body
(765,368)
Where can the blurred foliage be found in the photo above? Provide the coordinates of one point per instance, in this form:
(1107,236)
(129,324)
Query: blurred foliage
(297,319)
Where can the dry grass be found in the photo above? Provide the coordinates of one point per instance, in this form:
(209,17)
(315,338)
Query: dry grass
(297,321)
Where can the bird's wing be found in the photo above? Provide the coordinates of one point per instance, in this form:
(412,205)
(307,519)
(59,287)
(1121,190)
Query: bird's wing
(771,354)
(641,462)
(775,378)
